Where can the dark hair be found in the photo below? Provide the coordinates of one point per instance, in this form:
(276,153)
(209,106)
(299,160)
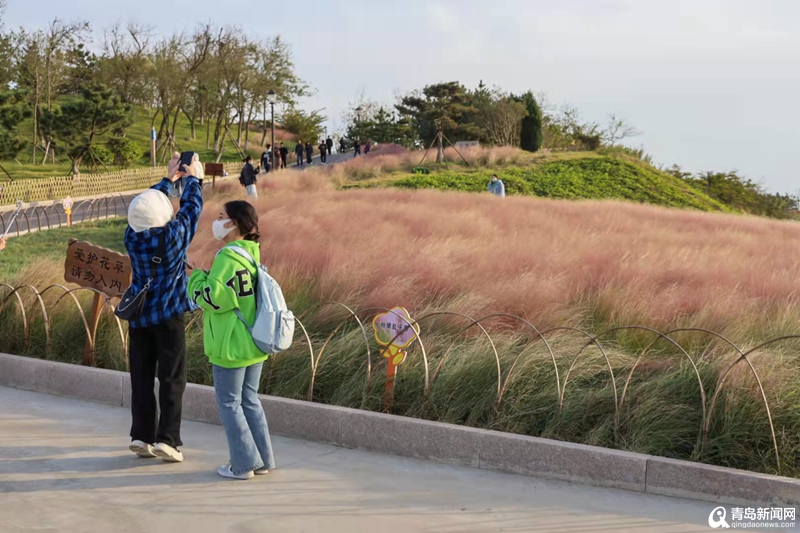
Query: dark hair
(245,217)
(248,159)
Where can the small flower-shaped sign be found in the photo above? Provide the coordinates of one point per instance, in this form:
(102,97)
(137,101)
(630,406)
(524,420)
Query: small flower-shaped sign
(395,331)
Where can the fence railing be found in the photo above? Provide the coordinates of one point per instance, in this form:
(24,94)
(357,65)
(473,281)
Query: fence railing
(57,188)
(39,218)
(708,396)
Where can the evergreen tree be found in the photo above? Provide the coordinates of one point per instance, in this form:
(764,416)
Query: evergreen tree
(531,136)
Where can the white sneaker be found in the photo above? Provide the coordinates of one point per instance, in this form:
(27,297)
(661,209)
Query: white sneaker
(167,453)
(225,471)
(261,471)
(142,449)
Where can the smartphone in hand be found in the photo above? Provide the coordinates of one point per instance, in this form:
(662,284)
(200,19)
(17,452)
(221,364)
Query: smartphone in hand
(187,158)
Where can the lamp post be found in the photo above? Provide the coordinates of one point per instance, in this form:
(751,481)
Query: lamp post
(272,98)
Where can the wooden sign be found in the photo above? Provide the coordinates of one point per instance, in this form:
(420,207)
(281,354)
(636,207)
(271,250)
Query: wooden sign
(97,268)
(215,169)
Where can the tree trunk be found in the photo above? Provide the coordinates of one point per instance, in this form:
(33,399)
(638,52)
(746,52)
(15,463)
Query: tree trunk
(75,163)
(439,148)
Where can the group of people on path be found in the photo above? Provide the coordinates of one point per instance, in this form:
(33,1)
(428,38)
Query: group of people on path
(278,158)
(157,239)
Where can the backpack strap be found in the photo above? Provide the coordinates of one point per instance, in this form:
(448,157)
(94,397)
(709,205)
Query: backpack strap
(242,252)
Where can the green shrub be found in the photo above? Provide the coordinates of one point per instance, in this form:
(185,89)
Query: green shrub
(126,153)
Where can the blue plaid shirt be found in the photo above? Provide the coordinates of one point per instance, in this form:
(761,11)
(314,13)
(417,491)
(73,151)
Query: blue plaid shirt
(167,297)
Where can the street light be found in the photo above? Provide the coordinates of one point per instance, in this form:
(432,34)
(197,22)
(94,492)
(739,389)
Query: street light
(272,98)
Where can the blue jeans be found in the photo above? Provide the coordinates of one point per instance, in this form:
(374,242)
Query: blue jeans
(243,418)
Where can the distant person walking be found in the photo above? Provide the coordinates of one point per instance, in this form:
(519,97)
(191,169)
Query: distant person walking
(284,153)
(299,151)
(249,178)
(497,187)
(342,146)
(367,147)
(266,158)
(356,148)
(329,145)
(323,152)
(309,152)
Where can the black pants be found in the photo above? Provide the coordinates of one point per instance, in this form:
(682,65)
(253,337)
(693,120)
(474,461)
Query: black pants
(308,158)
(299,160)
(323,157)
(161,347)
(283,162)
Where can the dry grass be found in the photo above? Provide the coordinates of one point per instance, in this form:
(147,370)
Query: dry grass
(553,262)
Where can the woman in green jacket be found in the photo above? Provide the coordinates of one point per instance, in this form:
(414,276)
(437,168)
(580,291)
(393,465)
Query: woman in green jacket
(237,362)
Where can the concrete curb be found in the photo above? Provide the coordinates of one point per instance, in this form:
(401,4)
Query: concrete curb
(410,437)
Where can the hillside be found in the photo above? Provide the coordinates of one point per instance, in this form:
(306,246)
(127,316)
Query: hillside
(140,133)
(585,175)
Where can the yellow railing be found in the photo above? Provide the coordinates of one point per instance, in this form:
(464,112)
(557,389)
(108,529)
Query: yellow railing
(36,190)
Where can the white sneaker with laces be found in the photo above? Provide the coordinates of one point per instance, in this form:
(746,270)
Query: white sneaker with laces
(225,471)
(167,453)
(142,449)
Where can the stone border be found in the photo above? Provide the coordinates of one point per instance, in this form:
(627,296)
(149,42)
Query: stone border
(448,443)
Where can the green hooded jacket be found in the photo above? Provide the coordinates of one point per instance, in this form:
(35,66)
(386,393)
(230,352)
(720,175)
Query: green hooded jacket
(229,285)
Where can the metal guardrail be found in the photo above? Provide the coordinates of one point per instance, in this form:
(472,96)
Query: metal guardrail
(82,185)
(37,218)
(534,337)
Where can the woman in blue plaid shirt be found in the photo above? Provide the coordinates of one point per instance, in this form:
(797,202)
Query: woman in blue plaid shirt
(157,240)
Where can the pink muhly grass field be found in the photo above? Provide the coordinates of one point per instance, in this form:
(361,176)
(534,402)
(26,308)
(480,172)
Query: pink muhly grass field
(553,262)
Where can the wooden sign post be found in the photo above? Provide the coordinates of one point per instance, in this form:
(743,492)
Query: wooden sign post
(101,269)
(395,332)
(214,170)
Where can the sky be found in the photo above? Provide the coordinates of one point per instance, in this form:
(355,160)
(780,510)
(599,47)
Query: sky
(713,85)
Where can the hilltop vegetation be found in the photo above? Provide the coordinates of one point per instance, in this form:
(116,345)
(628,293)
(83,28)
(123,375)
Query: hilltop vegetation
(592,177)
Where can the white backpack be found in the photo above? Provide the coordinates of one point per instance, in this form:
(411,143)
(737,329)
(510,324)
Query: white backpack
(273,329)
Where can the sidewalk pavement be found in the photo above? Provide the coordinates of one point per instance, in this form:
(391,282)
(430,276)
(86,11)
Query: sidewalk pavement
(64,466)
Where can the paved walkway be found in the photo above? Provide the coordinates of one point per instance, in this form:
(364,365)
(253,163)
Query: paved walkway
(64,466)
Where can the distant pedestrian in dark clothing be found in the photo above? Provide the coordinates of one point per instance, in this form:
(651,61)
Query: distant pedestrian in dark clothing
(309,152)
(342,145)
(284,152)
(367,147)
(329,145)
(249,177)
(266,159)
(356,148)
(323,152)
(299,151)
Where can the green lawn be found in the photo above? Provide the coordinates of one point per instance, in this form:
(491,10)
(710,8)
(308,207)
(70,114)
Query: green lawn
(23,251)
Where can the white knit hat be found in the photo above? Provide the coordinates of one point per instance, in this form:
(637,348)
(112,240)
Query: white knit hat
(150,209)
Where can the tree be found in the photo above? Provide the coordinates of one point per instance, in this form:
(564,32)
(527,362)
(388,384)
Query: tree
(78,124)
(531,136)
(502,120)
(307,126)
(438,111)
(616,130)
(13,110)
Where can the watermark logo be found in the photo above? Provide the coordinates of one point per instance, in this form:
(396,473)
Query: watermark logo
(717,518)
(752,517)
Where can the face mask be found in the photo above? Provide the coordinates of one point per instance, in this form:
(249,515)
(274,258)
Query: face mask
(219,230)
